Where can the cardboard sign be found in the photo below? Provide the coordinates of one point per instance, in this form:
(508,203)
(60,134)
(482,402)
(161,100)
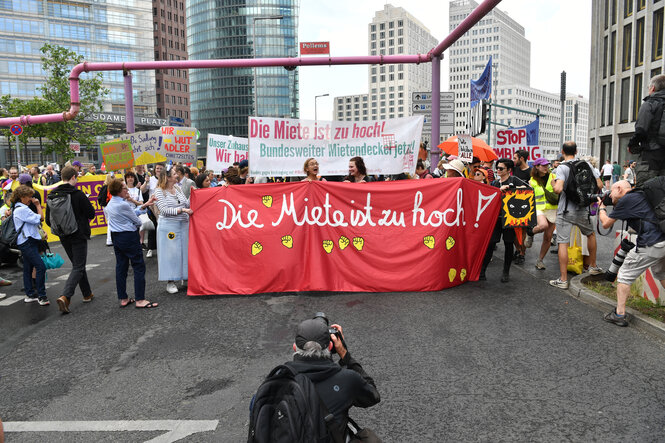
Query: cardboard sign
(519,208)
(118,155)
(465,148)
(147,147)
(179,144)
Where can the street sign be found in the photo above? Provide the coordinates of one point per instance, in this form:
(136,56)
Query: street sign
(464,147)
(310,48)
(75,146)
(17,129)
(176,121)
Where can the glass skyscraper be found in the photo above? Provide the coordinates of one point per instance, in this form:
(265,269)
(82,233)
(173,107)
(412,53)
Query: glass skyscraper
(99,30)
(222,99)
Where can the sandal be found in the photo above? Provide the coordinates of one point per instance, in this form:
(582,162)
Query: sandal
(148,306)
(129,302)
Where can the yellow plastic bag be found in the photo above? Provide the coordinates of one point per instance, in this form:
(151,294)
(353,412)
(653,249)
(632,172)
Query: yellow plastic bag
(575,260)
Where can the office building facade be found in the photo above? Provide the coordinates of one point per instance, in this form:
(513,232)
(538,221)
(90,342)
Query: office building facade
(351,108)
(223,99)
(496,35)
(170,36)
(104,32)
(626,52)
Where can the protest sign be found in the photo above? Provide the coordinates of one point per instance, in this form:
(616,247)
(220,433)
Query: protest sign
(147,147)
(179,144)
(279,147)
(224,150)
(526,137)
(411,235)
(90,185)
(117,155)
(464,148)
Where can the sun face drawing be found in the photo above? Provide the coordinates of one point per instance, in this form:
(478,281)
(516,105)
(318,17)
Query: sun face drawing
(519,208)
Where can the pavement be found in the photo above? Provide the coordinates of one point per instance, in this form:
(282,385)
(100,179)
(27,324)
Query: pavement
(484,361)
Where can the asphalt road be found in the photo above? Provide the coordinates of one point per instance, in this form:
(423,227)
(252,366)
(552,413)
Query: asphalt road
(484,361)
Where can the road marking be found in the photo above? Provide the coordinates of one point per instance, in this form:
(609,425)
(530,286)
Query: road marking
(11,300)
(89,267)
(62,277)
(177,429)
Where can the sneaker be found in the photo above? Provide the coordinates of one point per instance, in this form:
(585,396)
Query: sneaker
(43,301)
(89,298)
(519,260)
(63,304)
(558,283)
(30,299)
(171,288)
(595,270)
(4,282)
(528,242)
(540,265)
(149,254)
(619,320)
(505,278)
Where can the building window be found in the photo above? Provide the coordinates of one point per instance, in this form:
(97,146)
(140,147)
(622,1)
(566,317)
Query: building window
(655,72)
(627,8)
(637,95)
(639,42)
(641,4)
(627,46)
(613,51)
(614,12)
(610,105)
(657,50)
(605,57)
(607,14)
(625,100)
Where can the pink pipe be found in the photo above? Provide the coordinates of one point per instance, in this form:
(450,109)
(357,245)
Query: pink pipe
(473,18)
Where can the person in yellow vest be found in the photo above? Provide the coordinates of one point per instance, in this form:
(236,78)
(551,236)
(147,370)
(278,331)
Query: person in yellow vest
(92,170)
(546,206)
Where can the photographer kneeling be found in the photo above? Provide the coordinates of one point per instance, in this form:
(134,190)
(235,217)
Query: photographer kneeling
(634,208)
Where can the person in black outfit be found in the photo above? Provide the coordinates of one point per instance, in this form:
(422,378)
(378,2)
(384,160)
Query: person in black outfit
(76,244)
(340,386)
(504,167)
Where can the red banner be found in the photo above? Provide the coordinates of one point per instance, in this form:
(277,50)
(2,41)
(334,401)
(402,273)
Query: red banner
(411,235)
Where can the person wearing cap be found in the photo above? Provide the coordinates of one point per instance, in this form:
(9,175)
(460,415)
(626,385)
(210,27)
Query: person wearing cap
(480,175)
(340,385)
(77,165)
(547,202)
(243,170)
(506,181)
(454,168)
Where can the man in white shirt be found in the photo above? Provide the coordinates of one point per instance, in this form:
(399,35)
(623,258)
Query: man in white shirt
(185,183)
(607,174)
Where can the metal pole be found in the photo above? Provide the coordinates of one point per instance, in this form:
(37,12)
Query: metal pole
(435,152)
(315,98)
(18,155)
(563,105)
(129,102)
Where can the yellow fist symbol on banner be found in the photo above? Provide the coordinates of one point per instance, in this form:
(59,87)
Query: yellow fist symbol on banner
(462,274)
(256,248)
(328,246)
(451,274)
(429,241)
(358,243)
(450,242)
(267,201)
(287,241)
(343,242)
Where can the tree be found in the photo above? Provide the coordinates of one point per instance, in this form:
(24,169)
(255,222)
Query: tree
(57,62)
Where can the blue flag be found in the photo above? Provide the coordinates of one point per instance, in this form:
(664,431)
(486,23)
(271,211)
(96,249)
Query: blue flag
(481,89)
(532,132)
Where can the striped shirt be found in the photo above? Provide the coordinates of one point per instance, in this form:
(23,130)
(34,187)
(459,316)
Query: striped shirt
(168,203)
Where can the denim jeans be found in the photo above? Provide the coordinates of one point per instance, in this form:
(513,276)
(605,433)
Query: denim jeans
(32,259)
(127,247)
(77,251)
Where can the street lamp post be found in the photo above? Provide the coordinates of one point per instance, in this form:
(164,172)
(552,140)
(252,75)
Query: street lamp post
(315,98)
(265,17)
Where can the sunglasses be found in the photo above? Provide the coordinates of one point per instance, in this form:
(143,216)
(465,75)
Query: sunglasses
(500,168)
(479,173)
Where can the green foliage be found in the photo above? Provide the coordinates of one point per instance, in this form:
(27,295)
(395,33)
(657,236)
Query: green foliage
(57,62)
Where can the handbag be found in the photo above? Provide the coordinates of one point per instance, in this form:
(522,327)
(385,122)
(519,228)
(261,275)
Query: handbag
(52,260)
(146,223)
(551,197)
(575,260)
(43,233)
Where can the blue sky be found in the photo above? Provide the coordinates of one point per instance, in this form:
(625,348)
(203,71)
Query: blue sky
(559,31)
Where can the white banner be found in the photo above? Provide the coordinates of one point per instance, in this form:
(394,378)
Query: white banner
(512,139)
(279,147)
(224,150)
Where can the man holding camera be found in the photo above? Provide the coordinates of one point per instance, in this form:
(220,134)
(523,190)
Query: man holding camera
(340,386)
(649,138)
(634,208)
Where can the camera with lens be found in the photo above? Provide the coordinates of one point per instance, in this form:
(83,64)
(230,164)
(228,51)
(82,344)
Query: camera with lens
(635,149)
(617,261)
(331,330)
(603,196)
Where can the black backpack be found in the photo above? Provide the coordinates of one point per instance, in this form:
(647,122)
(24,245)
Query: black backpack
(581,184)
(286,408)
(654,191)
(61,214)
(8,232)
